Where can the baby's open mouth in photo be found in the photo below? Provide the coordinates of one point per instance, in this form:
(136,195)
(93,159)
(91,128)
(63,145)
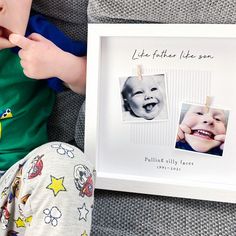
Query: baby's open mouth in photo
(203,134)
(150,106)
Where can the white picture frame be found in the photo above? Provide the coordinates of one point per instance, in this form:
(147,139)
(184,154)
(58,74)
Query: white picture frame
(108,47)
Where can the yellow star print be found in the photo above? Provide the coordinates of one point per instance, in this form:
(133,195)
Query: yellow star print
(19,223)
(28,219)
(56,185)
(84,234)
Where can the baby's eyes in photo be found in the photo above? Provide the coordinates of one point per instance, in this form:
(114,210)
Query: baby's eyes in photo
(199,113)
(154,89)
(139,92)
(217,118)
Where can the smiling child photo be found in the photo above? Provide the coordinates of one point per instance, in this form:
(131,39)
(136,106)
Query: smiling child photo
(144,98)
(202,129)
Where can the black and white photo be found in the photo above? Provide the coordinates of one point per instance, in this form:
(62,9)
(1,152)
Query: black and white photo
(144,98)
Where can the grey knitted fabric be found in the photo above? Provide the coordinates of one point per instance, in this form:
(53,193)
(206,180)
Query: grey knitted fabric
(128,214)
(68,15)
(80,127)
(62,123)
(162,11)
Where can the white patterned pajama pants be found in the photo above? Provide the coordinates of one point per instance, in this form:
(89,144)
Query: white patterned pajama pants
(49,192)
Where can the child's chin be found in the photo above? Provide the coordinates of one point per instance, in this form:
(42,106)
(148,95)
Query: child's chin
(4,43)
(201,149)
(150,117)
(198,147)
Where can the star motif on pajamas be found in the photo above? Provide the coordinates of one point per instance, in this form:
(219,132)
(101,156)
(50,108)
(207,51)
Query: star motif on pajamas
(56,185)
(28,219)
(84,233)
(83,212)
(20,223)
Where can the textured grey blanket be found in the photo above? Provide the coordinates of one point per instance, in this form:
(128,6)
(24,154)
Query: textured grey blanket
(163,11)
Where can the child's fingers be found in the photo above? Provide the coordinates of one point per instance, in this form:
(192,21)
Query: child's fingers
(20,41)
(21,54)
(220,138)
(185,128)
(36,37)
(180,135)
(222,146)
(23,64)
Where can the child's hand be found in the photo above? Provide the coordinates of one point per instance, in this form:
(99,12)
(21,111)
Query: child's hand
(182,130)
(42,59)
(221,139)
(39,56)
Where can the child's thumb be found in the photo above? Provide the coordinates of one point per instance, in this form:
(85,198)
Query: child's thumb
(19,41)
(36,37)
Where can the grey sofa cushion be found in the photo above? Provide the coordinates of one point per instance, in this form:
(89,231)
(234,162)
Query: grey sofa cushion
(62,123)
(80,127)
(69,15)
(129,214)
(168,11)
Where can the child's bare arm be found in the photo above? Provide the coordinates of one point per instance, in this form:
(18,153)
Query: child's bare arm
(42,59)
(73,72)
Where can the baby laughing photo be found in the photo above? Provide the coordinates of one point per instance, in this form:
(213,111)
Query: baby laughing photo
(144,98)
(202,129)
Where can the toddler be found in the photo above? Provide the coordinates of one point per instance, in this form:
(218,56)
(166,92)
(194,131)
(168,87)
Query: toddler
(202,130)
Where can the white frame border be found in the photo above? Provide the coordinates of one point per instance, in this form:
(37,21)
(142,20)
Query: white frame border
(110,181)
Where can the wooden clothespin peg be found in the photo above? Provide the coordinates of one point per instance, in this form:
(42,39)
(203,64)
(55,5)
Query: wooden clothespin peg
(208,103)
(139,72)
